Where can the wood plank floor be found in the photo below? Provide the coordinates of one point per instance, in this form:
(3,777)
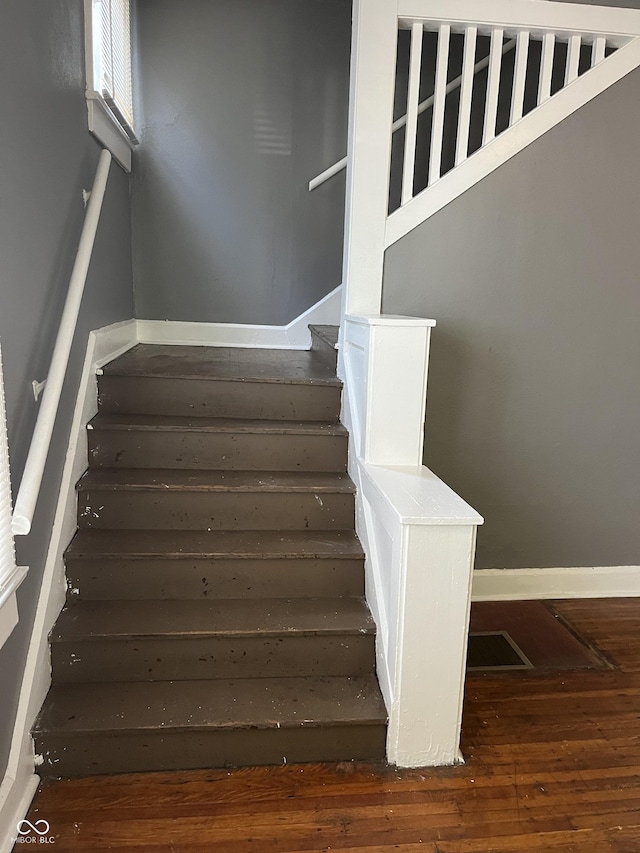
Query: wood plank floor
(552,764)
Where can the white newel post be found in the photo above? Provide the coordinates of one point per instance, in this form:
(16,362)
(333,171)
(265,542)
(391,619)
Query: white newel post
(433,624)
(396,364)
(371,92)
(419,538)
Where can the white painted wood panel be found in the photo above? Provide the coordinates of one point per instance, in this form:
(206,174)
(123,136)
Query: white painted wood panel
(371,94)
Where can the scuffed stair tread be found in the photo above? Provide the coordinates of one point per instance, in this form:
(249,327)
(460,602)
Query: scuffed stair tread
(253,544)
(198,705)
(223,363)
(163,423)
(95,620)
(132,479)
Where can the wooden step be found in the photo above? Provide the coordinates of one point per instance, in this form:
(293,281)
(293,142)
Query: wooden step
(185,640)
(145,499)
(324,340)
(188,564)
(220,382)
(86,729)
(154,441)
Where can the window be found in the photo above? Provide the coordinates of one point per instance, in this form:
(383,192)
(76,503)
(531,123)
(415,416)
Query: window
(109,88)
(10,575)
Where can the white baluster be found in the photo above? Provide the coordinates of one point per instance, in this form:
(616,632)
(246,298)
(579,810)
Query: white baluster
(597,51)
(519,76)
(439,97)
(493,87)
(546,67)
(412,113)
(466,92)
(573,59)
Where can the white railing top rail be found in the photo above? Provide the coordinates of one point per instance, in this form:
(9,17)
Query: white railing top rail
(423,106)
(36,460)
(564,19)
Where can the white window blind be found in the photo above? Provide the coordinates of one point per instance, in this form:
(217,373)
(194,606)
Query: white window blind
(112,26)
(7,551)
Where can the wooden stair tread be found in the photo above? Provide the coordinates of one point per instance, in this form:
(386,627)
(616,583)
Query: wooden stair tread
(95,620)
(163,706)
(175,423)
(135,479)
(252,544)
(223,363)
(328,334)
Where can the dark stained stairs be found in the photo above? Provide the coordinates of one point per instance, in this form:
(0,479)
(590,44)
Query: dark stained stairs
(215,614)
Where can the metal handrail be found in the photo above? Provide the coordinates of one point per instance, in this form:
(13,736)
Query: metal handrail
(400,122)
(40,441)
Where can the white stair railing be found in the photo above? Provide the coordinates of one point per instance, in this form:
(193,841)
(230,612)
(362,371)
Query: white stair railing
(502,75)
(399,123)
(418,536)
(39,448)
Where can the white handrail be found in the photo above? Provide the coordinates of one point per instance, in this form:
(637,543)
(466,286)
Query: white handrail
(32,476)
(400,122)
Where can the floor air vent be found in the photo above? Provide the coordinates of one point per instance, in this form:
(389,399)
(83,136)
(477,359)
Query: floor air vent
(494,651)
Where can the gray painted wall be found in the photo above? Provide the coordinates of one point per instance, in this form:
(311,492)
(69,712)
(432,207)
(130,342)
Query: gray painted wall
(242,102)
(534,401)
(46,157)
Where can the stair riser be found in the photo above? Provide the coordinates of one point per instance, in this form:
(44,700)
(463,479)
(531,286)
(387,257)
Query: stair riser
(183,658)
(218,399)
(217,451)
(323,350)
(156,510)
(138,752)
(142,579)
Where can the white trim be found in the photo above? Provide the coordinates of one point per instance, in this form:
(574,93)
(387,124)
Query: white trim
(9,603)
(107,131)
(101,121)
(20,781)
(416,496)
(371,94)
(417,534)
(571,582)
(295,335)
(16,793)
(512,141)
(565,19)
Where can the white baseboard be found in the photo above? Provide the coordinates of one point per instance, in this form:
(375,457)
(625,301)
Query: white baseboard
(16,793)
(295,335)
(20,780)
(572,582)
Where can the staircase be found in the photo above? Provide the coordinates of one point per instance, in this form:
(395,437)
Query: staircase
(215,614)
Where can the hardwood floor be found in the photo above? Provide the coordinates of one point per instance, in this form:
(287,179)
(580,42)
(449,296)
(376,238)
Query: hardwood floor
(552,764)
